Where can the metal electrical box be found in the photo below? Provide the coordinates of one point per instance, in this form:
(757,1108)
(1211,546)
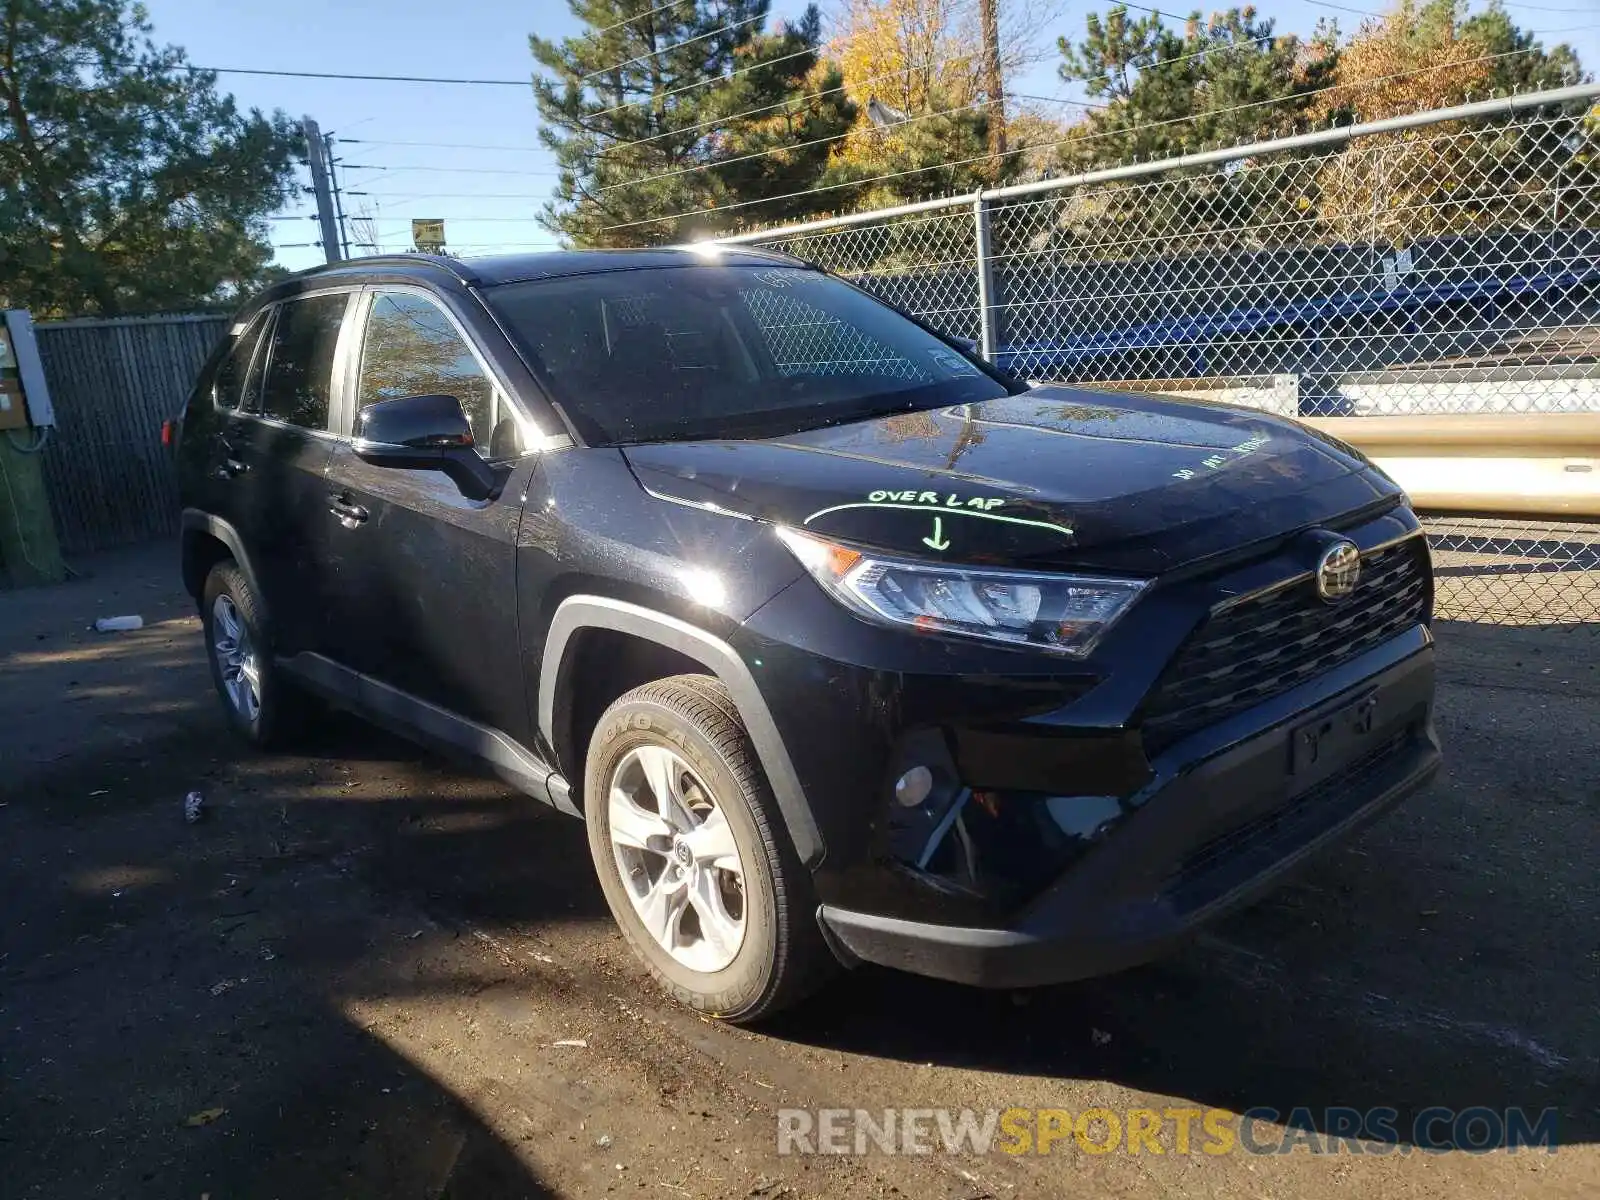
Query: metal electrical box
(24,395)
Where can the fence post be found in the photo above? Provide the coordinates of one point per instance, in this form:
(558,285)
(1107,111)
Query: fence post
(986,333)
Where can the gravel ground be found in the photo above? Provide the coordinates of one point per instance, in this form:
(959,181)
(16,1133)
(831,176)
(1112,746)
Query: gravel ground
(355,976)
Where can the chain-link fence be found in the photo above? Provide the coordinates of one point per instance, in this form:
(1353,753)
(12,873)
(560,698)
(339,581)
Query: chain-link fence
(1509,572)
(1443,263)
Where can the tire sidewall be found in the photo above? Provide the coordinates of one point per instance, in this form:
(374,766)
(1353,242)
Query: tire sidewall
(740,985)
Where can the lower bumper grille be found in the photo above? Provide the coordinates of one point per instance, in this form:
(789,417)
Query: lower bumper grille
(1298,820)
(1267,644)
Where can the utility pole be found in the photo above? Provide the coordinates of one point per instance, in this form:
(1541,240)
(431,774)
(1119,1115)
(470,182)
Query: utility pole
(317,157)
(989,21)
(338,199)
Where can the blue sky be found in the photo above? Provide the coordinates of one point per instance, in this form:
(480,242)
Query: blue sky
(470,154)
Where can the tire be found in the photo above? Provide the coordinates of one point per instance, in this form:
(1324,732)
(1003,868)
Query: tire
(278,709)
(780,956)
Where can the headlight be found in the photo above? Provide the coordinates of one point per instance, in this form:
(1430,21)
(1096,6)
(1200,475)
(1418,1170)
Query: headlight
(1065,614)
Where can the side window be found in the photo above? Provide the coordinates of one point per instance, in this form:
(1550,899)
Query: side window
(300,361)
(227,386)
(412,349)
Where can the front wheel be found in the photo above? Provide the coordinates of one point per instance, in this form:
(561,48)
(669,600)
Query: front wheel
(694,866)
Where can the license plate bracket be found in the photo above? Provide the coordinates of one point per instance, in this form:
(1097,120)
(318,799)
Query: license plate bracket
(1319,745)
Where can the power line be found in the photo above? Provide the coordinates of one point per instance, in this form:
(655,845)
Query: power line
(1144,8)
(673,46)
(784,149)
(1363,12)
(689,87)
(641,16)
(687,129)
(404,197)
(783,103)
(817,95)
(522,83)
(455,217)
(1579,12)
(502,247)
(1563,29)
(1360,12)
(861,183)
(1010,95)
(1221,45)
(445,145)
(452,170)
(1218,44)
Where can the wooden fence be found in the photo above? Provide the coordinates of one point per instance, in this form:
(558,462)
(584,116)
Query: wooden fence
(112,383)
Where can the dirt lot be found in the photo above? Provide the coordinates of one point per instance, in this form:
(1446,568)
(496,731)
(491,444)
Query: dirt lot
(353,977)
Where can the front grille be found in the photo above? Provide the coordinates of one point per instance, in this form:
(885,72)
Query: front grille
(1269,643)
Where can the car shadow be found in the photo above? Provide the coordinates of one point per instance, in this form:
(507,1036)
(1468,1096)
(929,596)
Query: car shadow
(1271,1011)
(176,999)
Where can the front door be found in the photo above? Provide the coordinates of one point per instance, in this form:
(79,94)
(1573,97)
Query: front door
(422,579)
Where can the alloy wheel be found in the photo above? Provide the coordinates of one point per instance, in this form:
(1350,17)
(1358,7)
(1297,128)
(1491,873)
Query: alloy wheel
(678,859)
(236,658)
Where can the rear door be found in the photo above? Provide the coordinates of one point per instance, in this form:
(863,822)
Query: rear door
(424,579)
(212,438)
(279,441)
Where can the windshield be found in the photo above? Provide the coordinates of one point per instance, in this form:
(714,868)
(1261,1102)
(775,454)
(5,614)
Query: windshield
(685,353)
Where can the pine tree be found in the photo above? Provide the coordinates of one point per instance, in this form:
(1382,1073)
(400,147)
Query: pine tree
(781,149)
(1168,92)
(128,183)
(652,114)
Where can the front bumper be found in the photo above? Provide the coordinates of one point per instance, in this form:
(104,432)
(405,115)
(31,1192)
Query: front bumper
(1214,829)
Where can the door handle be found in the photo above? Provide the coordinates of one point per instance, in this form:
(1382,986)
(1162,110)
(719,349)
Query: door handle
(349,513)
(232,464)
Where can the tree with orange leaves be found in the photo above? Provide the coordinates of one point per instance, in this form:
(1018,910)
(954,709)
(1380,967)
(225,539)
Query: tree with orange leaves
(1456,177)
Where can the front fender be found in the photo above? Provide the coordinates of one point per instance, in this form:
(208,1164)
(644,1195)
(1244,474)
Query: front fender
(576,613)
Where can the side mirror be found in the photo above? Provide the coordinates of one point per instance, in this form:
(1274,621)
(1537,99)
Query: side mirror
(421,422)
(427,433)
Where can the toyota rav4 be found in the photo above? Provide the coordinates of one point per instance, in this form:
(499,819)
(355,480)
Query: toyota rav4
(845,646)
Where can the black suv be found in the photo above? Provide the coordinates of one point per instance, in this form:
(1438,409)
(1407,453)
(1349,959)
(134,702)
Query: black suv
(845,646)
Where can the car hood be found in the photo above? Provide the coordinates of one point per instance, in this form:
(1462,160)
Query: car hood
(1055,476)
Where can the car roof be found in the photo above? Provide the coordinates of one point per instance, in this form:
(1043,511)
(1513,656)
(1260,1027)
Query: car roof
(493,270)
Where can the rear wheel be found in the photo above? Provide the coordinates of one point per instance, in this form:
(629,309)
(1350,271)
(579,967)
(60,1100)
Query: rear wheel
(693,863)
(259,703)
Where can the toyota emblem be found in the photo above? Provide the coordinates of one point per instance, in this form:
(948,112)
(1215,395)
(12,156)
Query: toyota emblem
(1338,571)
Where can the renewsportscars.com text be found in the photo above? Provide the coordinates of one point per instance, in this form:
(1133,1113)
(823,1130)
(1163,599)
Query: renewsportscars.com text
(1176,1130)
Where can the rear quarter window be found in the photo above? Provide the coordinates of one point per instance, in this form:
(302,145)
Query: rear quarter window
(228,384)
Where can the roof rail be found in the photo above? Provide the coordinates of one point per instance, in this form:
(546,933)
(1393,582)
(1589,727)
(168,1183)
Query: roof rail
(441,262)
